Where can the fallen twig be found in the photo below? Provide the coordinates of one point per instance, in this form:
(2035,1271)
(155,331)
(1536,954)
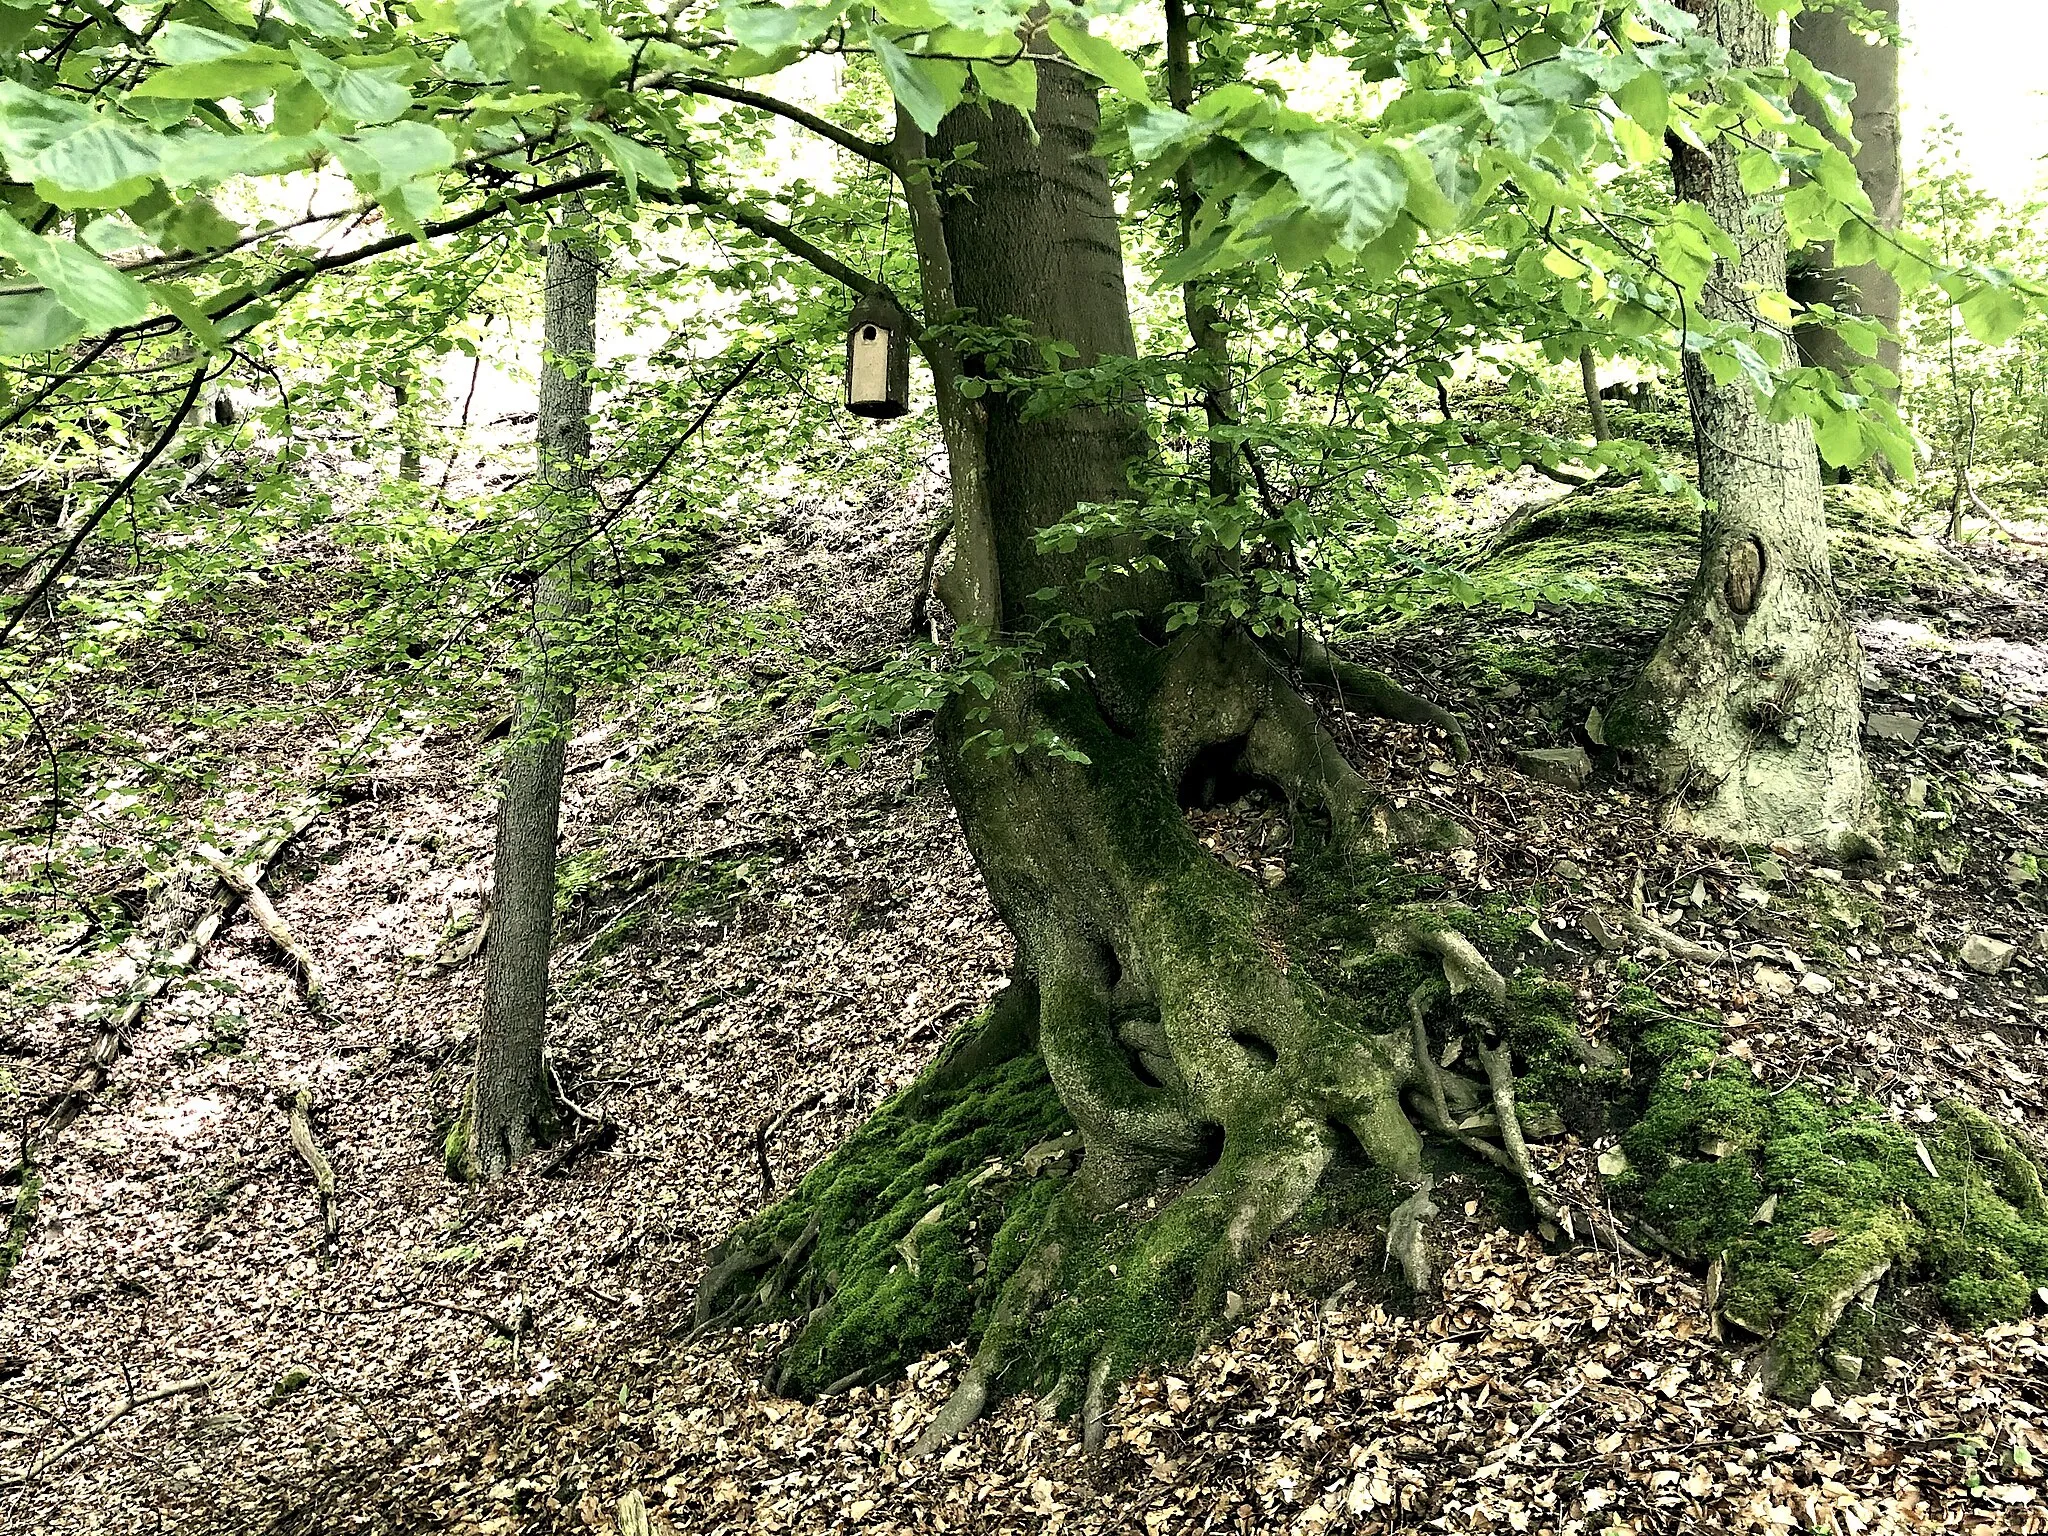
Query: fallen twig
(243,882)
(86,1436)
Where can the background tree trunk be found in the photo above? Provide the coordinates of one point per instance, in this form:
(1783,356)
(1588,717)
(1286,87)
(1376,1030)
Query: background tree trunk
(1828,40)
(509,1109)
(1198,299)
(1751,710)
(1596,408)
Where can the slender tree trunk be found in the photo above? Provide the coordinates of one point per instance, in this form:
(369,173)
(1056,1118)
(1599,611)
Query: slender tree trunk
(1589,377)
(408,433)
(509,1109)
(1198,299)
(1828,40)
(1750,713)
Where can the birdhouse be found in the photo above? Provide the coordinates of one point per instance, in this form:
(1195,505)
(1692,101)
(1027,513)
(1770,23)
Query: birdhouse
(877,359)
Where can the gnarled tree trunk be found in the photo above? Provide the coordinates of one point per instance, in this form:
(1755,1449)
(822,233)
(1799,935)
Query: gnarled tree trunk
(1750,713)
(1195,1057)
(509,1109)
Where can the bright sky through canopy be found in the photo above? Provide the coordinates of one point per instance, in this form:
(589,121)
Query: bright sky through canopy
(1984,64)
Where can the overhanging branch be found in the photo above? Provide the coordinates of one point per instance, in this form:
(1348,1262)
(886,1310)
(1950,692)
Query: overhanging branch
(845,138)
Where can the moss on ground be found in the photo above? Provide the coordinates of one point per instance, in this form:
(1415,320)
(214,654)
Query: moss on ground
(1806,1198)
(920,1217)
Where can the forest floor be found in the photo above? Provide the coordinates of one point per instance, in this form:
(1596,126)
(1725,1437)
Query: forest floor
(761,945)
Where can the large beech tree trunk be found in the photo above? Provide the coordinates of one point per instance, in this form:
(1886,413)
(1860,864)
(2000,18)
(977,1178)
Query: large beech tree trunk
(1826,38)
(1750,712)
(1180,1038)
(509,1108)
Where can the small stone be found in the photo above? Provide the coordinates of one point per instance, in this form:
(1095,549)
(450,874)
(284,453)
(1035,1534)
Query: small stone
(1774,981)
(1816,983)
(1613,1163)
(1847,1368)
(1602,934)
(1566,767)
(1565,869)
(1233,1305)
(1596,727)
(1882,726)
(1765,1212)
(1822,1397)
(1986,956)
(1916,791)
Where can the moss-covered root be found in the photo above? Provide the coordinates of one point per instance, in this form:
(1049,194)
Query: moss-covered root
(1099,1294)
(1808,1203)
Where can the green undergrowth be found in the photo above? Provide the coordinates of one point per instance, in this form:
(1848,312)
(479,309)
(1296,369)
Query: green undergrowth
(1805,1197)
(921,1215)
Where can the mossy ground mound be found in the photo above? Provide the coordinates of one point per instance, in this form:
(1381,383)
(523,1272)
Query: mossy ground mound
(1808,1202)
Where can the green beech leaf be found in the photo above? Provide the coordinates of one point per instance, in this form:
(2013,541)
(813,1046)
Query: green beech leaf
(1841,438)
(1647,102)
(182,43)
(1101,58)
(323,17)
(35,322)
(1362,189)
(635,161)
(926,88)
(207,79)
(1994,315)
(1154,130)
(366,96)
(1016,84)
(197,158)
(177,298)
(1855,244)
(100,296)
(1759,171)
(234,12)
(31,122)
(103,164)
(381,160)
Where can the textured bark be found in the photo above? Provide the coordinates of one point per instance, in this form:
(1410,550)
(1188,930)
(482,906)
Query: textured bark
(1827,39)
(509,1109)
(1750,713)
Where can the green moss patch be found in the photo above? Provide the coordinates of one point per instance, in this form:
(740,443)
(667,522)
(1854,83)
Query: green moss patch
(1806,1198)
(919,1219)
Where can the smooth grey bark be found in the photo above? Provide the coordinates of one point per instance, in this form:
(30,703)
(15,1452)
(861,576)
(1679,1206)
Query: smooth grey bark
(1832,44)
(509,1109)
(1589,377)
(1750,713)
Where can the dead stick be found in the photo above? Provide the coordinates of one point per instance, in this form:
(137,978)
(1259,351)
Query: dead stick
(243,883)
(768,1128)
(322,1170)
(86,1436)
(111,1042)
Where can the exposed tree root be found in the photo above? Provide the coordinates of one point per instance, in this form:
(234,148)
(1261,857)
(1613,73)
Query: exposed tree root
(244,883)
(1663,938)
(1371,692)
